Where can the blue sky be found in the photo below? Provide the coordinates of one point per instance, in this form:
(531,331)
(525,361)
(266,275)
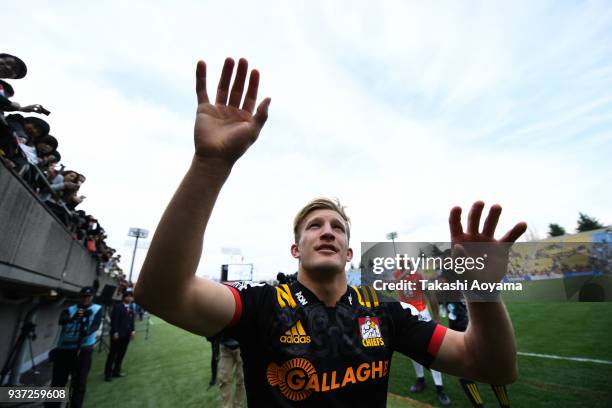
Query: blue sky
(400,109)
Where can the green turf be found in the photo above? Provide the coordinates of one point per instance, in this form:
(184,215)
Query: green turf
(558,290)
(172,367)
(565,329)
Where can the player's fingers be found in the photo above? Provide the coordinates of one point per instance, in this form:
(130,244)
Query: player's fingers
(238,87)
(262,113)
(454,222)
(488,230)
(224,81)
(251,95)
(515,232)
(201,82)
(474,217)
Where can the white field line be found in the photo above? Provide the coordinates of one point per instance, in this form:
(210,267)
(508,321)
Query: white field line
(588,360)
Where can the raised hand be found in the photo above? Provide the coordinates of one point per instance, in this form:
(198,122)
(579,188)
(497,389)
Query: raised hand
(488,229)
(224,131)
(474,243)
(35,108)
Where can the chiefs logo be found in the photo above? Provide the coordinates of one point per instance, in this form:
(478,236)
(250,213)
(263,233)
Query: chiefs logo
(369,330)
(291,378)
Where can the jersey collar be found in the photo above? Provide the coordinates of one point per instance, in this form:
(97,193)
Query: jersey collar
(304,296)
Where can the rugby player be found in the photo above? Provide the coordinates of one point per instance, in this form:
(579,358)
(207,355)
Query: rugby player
(302,344)
(417,299)
(458,319)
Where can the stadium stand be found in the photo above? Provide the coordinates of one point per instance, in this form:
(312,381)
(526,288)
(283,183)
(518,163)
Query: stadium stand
(48,249)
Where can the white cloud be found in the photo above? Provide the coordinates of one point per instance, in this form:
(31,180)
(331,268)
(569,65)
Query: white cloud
(400,109)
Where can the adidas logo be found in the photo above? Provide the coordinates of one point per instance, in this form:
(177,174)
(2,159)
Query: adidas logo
(295,335)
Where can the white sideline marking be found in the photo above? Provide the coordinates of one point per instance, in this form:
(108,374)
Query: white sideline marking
(589,360)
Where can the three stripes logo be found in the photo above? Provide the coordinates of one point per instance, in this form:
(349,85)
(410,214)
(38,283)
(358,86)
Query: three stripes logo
(295,335)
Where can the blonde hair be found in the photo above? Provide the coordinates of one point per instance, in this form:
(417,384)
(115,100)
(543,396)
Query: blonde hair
(320,203)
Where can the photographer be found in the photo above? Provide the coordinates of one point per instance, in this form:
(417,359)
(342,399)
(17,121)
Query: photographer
(122,331)
(72,356)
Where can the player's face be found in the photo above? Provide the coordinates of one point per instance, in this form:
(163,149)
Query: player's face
(323,243)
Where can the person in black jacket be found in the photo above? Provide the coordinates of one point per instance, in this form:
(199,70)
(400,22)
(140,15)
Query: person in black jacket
(122,330)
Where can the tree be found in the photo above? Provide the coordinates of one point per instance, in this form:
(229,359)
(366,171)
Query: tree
(586,223)
(555,230)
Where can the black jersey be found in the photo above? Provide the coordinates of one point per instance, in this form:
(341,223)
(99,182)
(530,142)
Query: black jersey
(298,352)
(457,315)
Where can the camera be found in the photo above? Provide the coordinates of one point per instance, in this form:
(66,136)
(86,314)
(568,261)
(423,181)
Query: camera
(84,312)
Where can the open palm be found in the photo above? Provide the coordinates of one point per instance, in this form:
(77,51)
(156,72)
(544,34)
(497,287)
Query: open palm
(476,243)
(225,130)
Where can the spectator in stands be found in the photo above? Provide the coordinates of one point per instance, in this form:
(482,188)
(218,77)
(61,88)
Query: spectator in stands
(45,146)
(122,331)
(9,146)
(22,152)
(71,188)
(92,225)
(45,160)
(79,322)
(59,183)
(6,105)
(12,67)
(55,181)
(24,135)
(6,90)
(35,127)
(27,148)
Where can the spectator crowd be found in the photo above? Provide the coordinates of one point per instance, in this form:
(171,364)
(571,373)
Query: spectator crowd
(31,152)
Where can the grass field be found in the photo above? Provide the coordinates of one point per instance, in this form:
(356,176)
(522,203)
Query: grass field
(172,367)
(558,290)
(563,329)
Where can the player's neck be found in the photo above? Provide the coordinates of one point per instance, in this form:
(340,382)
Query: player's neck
(328,291)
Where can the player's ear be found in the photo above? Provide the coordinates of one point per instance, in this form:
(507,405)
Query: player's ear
(295,251)
(349,255)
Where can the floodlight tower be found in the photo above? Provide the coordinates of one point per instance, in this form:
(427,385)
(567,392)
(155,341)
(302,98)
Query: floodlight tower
(137,233)
(392,236)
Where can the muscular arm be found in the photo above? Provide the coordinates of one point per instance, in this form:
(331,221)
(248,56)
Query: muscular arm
(487,350)
(167,285)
